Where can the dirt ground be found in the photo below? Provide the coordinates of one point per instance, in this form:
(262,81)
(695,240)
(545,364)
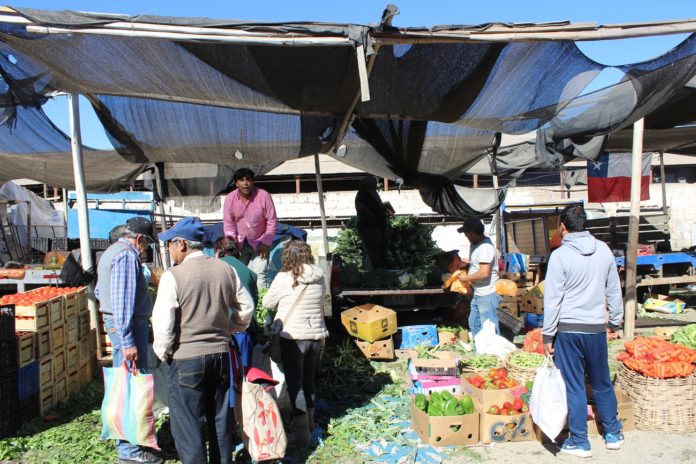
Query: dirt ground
(640,447)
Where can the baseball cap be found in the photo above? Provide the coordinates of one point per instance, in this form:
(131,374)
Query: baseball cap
(188,228)
(471,224)
(140,225)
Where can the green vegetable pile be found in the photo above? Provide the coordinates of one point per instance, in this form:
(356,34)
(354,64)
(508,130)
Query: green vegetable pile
(525,360)
(480,361)
(409,256)
(444,404)
(685,336)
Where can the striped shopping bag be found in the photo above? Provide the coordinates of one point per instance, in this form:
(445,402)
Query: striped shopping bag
(126,410)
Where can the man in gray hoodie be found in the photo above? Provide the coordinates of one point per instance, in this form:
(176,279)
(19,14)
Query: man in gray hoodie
(581,281)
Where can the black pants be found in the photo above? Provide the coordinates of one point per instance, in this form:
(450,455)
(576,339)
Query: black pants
(374,244)
(300,363)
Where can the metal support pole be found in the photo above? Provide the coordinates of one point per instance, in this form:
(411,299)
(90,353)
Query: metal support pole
(82,211)
(633,223)
(164,252)
(320,192)
(663,181)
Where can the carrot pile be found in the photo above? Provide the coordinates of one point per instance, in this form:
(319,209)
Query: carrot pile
(654,357)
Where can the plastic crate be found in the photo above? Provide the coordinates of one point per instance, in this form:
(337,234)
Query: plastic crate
(414,335)
(8,356)
(59,243)
(28,381)
(41,244)
(8,393)
(99,243)
(7,323)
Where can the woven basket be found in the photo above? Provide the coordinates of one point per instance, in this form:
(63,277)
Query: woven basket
(521,374)
(661,405)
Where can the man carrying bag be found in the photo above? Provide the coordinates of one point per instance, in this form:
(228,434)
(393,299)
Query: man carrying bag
(581,281)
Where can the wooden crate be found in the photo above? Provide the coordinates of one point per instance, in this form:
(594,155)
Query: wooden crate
(60,365)
(60,389)
(72,357)
(81,299)
(43,343)
(83,324)
(73,381)
(532,304)
(46,398)
(31,318)
(26,347)
(58,337)
(84,350)
(46,371)
(71,304)
(86,372)
(71,329)
(56,310)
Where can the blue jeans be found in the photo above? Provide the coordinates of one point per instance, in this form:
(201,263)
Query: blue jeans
(141,333)
(482,308)
(577,354)
(199,395)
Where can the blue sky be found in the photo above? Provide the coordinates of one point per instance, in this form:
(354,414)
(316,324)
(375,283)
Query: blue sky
(413,13)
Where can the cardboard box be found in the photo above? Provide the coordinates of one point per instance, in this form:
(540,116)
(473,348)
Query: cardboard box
(369,322)
(446,337)
(484,399)
(405,354)
(499,429)
(428,384)
(445,430)
(445,364)
(381,349)
(625,415)
(532,304)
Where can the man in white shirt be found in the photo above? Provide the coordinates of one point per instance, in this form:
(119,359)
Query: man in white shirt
(200,304)
(482,274)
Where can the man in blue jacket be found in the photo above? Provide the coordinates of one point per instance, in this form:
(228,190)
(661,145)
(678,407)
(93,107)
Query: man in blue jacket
(581,281)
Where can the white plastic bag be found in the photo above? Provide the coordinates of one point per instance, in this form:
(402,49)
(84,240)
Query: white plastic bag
(548,403)
(488,342)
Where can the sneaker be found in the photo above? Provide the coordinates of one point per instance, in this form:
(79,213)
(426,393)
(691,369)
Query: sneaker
(143,457)
(576,450)
(614,441)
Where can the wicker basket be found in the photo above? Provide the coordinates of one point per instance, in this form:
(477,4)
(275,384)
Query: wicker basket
(521,374)
(665,405)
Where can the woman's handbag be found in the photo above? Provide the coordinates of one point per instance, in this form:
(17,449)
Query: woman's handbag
(274,346)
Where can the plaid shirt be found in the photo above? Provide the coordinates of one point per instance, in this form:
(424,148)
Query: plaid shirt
(124,274)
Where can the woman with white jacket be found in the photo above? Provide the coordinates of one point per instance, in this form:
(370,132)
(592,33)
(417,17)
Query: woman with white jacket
(300,284)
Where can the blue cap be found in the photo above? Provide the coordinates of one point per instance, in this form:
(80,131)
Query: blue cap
(188,228)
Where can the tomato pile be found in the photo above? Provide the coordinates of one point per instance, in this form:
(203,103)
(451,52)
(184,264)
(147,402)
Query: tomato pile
(36,296)
(509,409)
(495,379)
(657,358)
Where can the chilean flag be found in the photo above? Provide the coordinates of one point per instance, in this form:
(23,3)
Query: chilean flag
(609,178)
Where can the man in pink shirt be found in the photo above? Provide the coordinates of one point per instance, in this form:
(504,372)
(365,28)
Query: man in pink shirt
(250,219)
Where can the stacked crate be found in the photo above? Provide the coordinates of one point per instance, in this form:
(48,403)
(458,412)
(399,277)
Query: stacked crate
(8,373)
(86,342)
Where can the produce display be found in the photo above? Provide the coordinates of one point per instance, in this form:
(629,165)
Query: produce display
(685,336)
(409,256)
(36,296)
(494,379)
(657,358)
(444,404)
(518,406)
(522,359)
(480,362)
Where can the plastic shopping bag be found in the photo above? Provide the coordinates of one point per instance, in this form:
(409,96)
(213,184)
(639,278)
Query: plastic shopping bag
(488,342)
(548,403)
(126,410)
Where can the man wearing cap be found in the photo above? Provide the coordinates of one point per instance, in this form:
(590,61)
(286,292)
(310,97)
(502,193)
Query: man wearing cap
(249,218)
(482,274)
(200,305)
(125,302)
